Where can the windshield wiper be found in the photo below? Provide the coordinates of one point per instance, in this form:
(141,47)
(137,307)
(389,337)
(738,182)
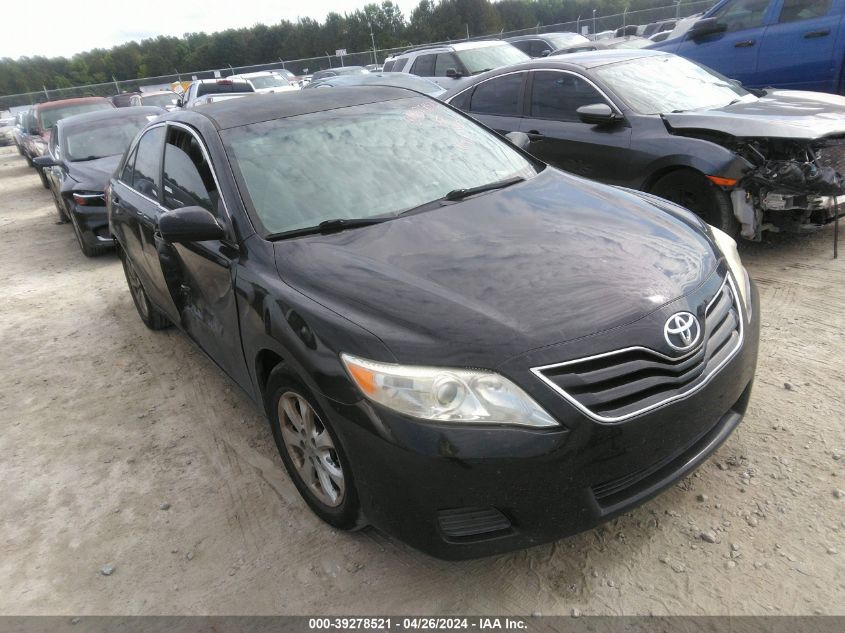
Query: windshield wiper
(460,194)
(328,226)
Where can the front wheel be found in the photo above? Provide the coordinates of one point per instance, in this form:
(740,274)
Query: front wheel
(149,314)
(311,451)
(692,190)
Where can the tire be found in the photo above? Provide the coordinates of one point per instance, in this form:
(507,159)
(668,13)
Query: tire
(44,180)
(149,314)
(692,190)
(60,208)
(312,447)
(87,249)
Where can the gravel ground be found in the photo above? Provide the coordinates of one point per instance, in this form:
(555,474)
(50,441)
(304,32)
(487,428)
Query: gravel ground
(139,480)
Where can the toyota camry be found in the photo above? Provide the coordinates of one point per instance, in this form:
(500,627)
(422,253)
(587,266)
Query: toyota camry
(452,341)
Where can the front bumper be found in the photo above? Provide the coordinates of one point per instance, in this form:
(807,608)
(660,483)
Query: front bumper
(459,492)
(93,224)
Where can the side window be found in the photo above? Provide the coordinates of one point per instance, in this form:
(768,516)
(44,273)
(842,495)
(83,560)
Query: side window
(796,10)
(129,168)
(388,66)
(444,62)
(423,66)
(187,176)
(146,178)
(53,147)
(538,47)
(498,96)
(461,101)
(523,45)
(558,96)
(743,14)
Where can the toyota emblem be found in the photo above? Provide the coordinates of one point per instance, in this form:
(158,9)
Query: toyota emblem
(682,331)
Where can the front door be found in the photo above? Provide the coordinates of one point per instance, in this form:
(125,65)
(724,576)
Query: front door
(497,102)
(200,276)
(560,138)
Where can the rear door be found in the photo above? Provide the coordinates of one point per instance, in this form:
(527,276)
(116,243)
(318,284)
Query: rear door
(200,276)
(734,52)
(798,48)
(560,138)
(496,102)
(135,210)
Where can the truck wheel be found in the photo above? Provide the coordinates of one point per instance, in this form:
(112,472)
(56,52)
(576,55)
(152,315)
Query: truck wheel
(149,314)
(311,451)
(692,190)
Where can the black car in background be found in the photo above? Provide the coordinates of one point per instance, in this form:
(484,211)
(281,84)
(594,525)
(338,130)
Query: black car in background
(81,156)
(544,44)
(663,124)
(397,80)
(482,354)
(338,72)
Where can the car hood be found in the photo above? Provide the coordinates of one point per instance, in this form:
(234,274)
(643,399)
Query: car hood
(476,282)
(791,114)
(93,175)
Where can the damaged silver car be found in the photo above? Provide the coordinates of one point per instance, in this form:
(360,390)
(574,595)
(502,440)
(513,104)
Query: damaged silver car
(744,161)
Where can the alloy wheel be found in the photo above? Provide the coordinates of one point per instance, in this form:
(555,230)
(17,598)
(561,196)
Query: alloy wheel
(311,449)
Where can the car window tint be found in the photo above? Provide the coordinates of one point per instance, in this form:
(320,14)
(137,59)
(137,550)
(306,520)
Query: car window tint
(559,95)
(742,14)
(424,66)
(795,10)
(444,62)
(538,47)
(187,176)
(147,176)
(498,96)
(461,101)
(129,168)
(523,45)
(388,66)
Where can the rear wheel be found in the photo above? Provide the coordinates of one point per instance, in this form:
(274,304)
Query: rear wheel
(692,190)
(60,207)
(149,314)
(311,451)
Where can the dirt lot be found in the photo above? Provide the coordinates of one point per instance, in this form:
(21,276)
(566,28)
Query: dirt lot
(103,423)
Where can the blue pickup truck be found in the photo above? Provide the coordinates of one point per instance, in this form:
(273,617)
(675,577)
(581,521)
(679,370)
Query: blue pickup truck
(795,44)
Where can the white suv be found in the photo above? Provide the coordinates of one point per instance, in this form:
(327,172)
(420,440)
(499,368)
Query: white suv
(450,65)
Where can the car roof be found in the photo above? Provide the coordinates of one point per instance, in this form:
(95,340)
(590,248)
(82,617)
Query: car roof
(153,93)
(454,46)
(256,108)
(539,36)
(106,115)
(591,59)
(256,73)
(49,105)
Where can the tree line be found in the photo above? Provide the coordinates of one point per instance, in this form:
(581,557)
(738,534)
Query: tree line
(430,21)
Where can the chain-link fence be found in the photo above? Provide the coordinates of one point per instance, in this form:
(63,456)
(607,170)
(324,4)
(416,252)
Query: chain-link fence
(587,24)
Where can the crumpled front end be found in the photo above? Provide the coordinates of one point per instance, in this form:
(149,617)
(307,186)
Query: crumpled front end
(793,186)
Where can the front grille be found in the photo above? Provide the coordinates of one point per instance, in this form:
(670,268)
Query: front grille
(463,523)
(617,385)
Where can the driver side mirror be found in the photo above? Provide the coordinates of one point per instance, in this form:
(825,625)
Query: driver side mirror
(454,74)
(45,161)
(189,224)
(520,139)
(545,53)
(707,26)
(598,114)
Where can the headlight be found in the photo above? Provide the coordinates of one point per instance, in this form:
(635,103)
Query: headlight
(727,245)
(446,395)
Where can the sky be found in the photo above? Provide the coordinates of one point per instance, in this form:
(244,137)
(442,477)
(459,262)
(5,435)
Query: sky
(65,27)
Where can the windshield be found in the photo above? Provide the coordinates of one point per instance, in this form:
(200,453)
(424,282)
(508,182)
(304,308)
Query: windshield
(303,170)
(219,87)
(665,83)
(268,81)
(161,101)
(478,60)
(102,138)
(562,40)
(50,116)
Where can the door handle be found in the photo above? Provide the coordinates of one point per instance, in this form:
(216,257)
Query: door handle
(744,44)
(811,34)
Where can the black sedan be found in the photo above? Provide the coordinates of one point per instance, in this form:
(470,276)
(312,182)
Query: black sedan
(479,354)
(81,156)
(397,80)
(659,123)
